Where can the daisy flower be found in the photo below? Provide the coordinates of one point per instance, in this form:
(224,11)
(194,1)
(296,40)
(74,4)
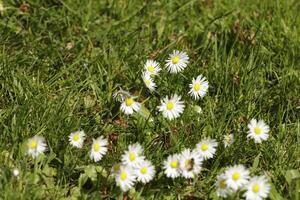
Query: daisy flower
(36,145)
(222,188)
(172,166)
(190,163)
(98,148)
(126,178)
(257,188)
(207,148)
(171,108)
(77,138)
(129,105)
(237,177)
(198,87)
(148,81)
(115,170)
(258,130)
(133,156)
(177,61)
(145,171)
(228,140)
(152,67)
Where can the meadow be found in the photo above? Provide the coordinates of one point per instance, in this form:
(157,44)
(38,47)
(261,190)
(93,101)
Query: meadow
(70,65)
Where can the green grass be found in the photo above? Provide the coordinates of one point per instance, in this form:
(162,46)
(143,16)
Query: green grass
(248,50)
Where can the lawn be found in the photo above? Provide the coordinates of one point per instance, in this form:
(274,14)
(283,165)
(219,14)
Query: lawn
(61,61)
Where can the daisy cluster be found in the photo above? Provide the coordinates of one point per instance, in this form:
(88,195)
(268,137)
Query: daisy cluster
(134,167)
(237,178)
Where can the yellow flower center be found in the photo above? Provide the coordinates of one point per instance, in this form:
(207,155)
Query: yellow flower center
(204,147)
(222,184)
(151,68)
(144,170)
(116,168)
(170,105)
(255,188)
(76,137)
(96,147)
(33,144)
(236,176)
(197,87)
(257,130)
(174,164)
(123,176)
(132,156)
(175,60)
(129,101)
(147,82)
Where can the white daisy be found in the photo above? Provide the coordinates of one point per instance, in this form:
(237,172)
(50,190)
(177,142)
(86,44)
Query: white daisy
(126,178)
(99,148)
(145,171)
(77,138)
(129,105)
(133,156)
(237,177)
(16,172)
(172,166)
(177,61)
(171,108)
(257,188)
(36,145)
(190,163)
(152,67)
(198,87)
(207,148)
(222,189)
(258,130)
(150,84)
(228,140)
(115,170)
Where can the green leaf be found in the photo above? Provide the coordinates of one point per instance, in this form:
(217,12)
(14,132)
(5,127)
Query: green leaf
(256,161)
(293,178)
(274,195)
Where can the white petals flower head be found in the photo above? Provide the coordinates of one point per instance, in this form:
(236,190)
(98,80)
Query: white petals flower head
(228,140)
(126,178)
(77,138)
(99,148)
(222,188)
(133,156)
(172,166)
(171,108)
(257,188)
(237,177)
(258,130)
(145,171)
(36,145)
(129,105)
(150,84)
(152,67)
(190,163)
(207,148)
(177,61)
(198,87)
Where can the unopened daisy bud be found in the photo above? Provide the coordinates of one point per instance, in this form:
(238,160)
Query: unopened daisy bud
(177,61)
(77,138)
(36,145)
(228,140)
(16,172)
(150,84)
